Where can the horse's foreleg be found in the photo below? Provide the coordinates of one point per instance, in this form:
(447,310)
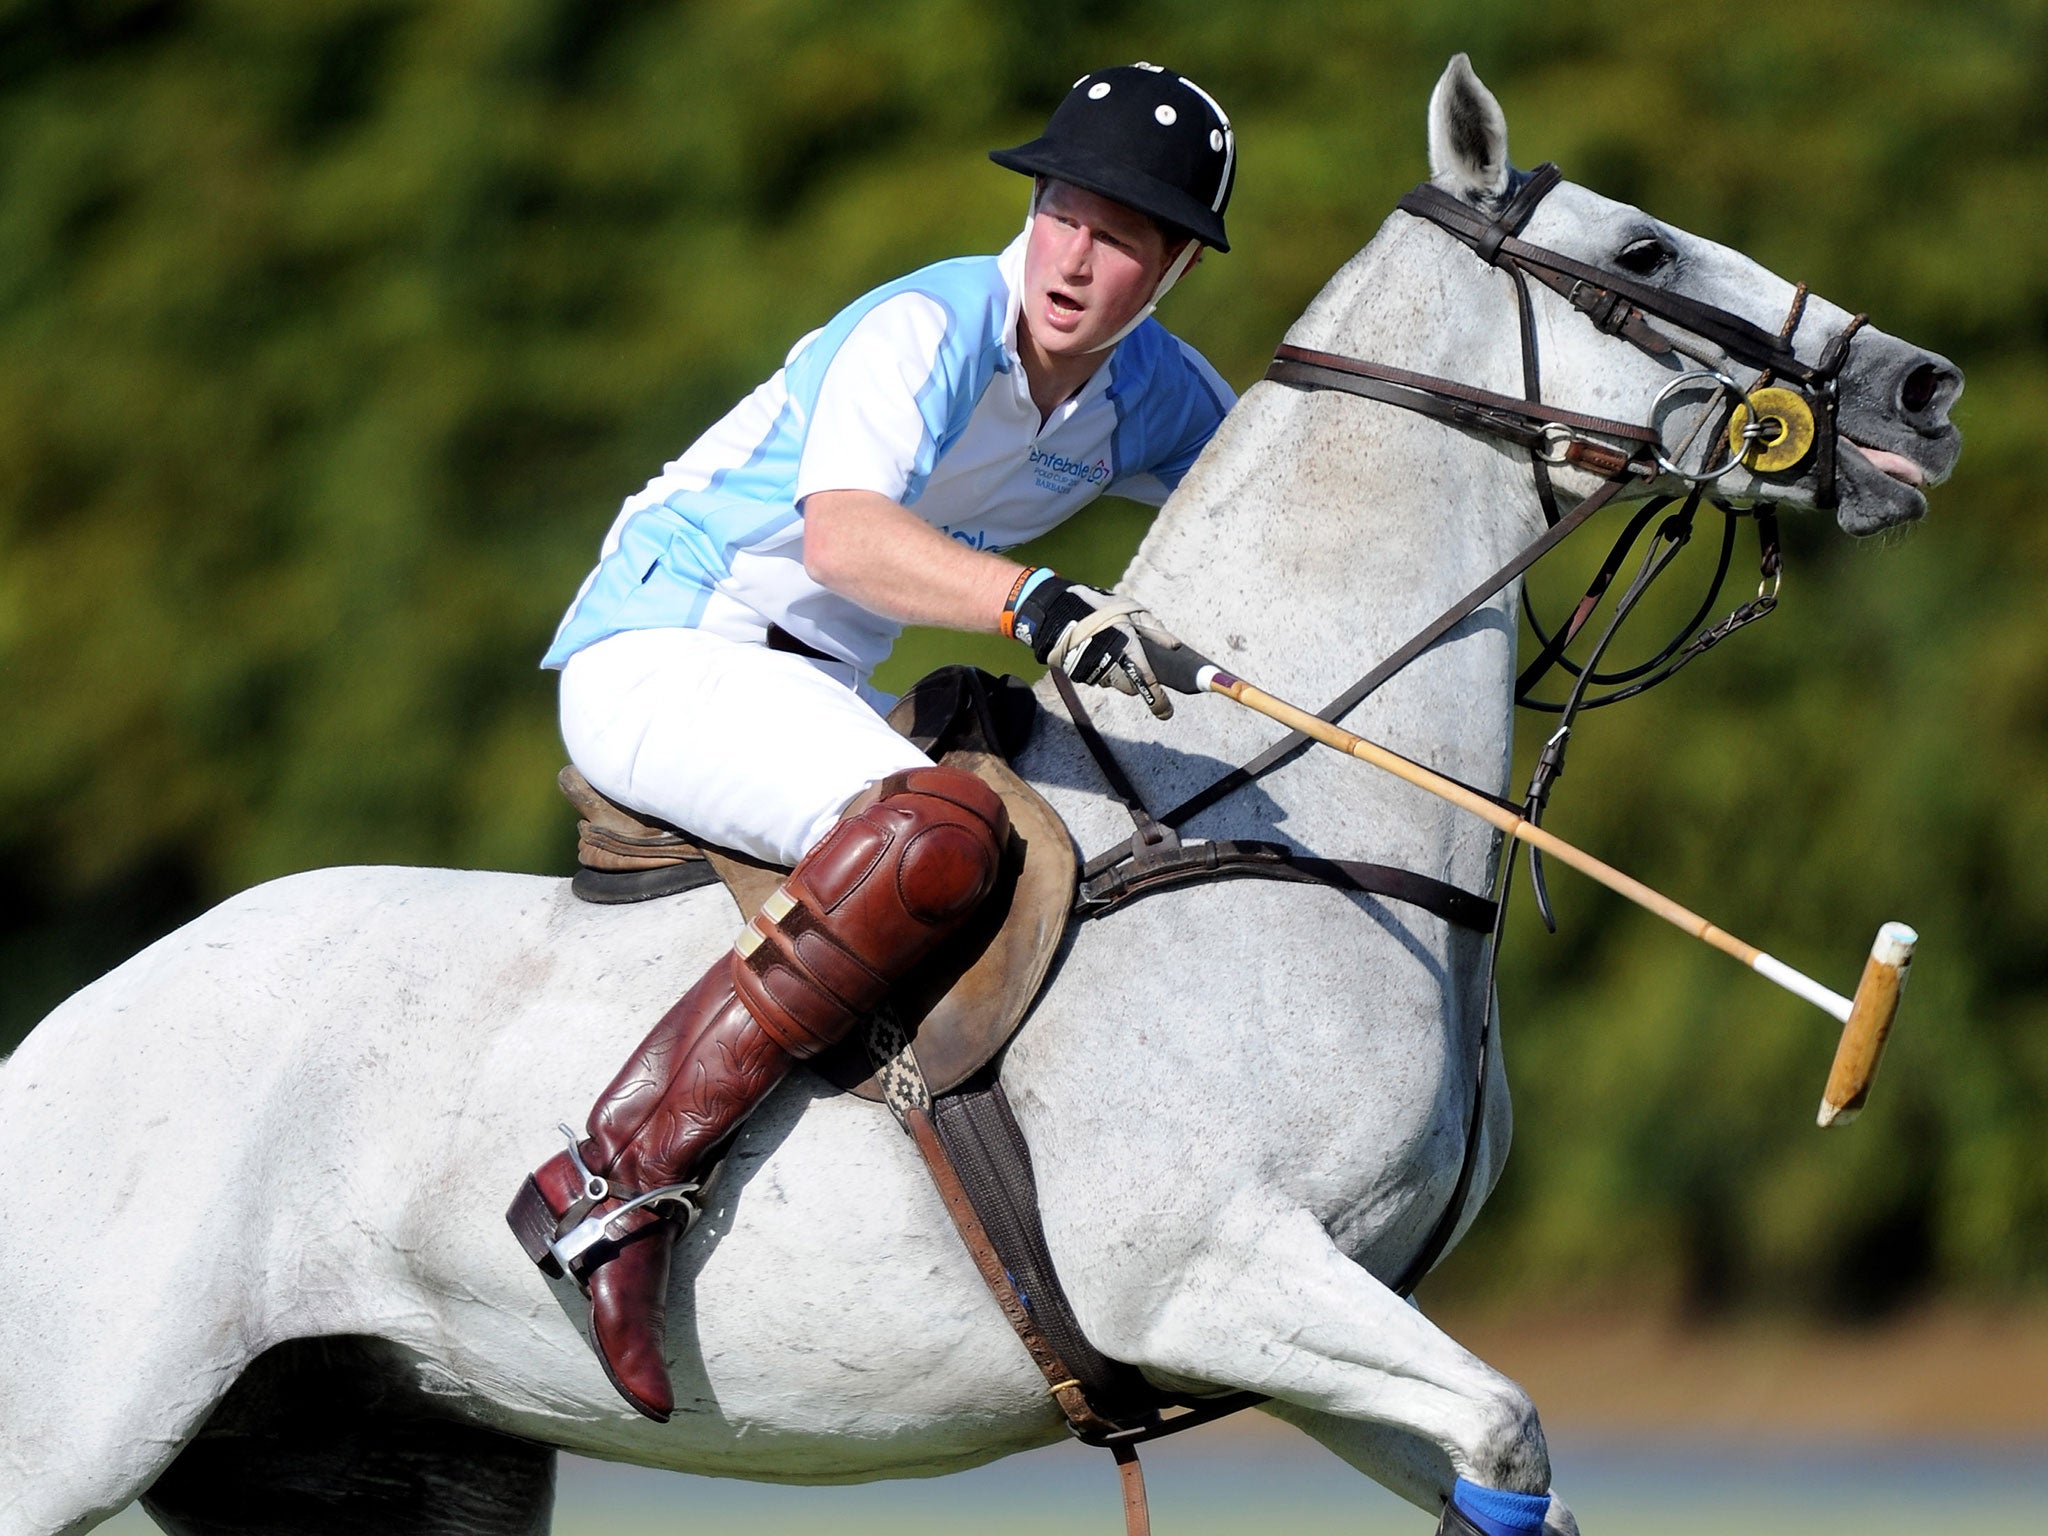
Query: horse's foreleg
(1287,1314)
(1397,1458)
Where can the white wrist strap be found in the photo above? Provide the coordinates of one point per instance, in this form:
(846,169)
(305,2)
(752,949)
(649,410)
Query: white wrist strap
(1174,273)
(1077,634)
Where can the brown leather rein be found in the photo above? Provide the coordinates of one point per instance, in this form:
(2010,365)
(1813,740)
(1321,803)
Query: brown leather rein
(1560,436)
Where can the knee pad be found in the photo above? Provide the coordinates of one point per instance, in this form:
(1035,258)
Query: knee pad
(880,891)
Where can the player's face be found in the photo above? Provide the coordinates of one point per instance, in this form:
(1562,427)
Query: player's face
(1090,264)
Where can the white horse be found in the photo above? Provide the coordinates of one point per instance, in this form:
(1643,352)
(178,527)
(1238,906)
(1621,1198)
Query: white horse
(257,1172)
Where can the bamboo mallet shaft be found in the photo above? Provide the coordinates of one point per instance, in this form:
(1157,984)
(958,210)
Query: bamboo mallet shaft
(1866,1018)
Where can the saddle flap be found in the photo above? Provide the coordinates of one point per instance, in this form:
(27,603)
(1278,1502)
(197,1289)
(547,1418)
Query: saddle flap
(750,881)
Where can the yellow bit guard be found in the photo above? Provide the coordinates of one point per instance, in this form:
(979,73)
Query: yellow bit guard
(1787,437)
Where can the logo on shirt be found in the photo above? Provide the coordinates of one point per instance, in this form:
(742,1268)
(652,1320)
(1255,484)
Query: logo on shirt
(1057,472)
(973,538)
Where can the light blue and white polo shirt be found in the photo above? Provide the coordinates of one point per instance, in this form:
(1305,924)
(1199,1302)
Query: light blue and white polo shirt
(915,391)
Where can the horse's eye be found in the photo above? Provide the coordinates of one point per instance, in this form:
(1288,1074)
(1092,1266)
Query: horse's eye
(1644,257)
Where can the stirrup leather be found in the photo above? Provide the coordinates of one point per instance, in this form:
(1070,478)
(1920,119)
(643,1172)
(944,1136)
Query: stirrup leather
(580,1230)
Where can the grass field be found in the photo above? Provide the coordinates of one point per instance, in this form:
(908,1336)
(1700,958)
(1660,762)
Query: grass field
(1212,1488)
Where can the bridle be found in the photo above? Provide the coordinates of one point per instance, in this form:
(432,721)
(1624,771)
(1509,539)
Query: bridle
(1775,428)
(1620,305)
(1806,417)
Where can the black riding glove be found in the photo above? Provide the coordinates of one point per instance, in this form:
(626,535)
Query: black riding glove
(1093,637)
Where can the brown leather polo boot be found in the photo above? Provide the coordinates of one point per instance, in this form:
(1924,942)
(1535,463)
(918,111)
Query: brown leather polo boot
(909,862)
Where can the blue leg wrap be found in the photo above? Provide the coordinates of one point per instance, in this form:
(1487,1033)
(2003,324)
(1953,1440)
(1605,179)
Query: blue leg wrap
(1499,1513)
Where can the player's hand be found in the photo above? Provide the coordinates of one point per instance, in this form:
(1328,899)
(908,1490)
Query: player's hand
(1093,637)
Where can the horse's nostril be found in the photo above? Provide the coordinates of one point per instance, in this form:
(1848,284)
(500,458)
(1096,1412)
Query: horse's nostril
(1917,392)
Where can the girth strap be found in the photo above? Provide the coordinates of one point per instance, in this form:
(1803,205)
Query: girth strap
(1062,1386)
(981,1167)
(981,1137)
(1107,1402)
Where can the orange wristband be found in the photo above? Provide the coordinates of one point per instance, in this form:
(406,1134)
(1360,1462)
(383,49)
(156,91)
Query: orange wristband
(1008,620)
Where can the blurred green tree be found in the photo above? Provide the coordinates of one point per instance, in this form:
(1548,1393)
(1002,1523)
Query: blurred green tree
(332,334)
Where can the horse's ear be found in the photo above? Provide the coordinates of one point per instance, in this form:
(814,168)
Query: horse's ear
(1468,135)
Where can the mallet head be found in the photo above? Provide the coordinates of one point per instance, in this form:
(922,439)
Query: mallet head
(1871,1013)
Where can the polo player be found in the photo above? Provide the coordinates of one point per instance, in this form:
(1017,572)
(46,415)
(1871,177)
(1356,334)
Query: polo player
(715,664)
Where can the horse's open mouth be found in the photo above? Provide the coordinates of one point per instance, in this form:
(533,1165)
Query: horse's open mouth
(1895,466)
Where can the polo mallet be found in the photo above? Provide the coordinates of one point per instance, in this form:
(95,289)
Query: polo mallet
(1866,1019)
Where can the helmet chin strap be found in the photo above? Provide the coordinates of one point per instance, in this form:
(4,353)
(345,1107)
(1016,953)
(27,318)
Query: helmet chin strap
(1175,271)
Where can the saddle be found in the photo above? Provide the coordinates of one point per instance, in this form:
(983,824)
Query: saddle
(961,1006)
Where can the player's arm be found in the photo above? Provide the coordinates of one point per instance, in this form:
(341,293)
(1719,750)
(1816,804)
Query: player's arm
(889,560)
(866,547)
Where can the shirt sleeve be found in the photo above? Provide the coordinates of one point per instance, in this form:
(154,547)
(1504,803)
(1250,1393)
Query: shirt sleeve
(881,404)
(1189,400)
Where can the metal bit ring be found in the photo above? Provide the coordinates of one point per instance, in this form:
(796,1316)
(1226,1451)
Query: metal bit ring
(1735,457)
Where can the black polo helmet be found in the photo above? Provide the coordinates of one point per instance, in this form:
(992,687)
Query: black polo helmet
(1144,137)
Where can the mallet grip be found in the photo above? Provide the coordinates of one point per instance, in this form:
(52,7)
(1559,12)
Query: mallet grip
(1179,667)
(1870,1021)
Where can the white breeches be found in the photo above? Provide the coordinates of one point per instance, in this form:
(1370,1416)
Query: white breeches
(749,748)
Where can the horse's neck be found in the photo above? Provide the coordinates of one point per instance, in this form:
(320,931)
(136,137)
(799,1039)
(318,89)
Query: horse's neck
(1320,531)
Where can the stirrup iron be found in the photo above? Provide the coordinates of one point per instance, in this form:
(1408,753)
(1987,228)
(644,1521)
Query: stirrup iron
(586,1234)
(579,1231)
